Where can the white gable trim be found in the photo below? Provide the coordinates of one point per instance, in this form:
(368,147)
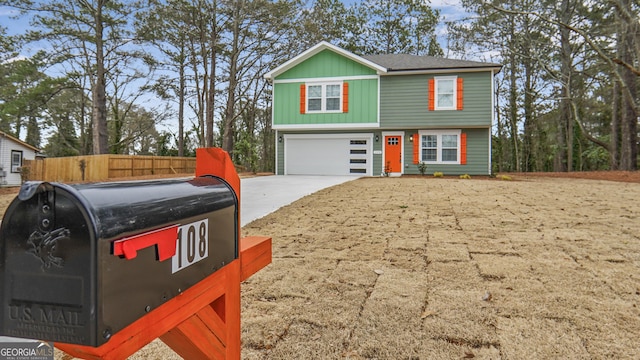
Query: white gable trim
(326,126)
(315,50)
(18,141)
(333,78)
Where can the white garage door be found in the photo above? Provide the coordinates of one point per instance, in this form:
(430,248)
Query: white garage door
(344,154)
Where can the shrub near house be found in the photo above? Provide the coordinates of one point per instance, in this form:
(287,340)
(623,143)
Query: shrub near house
(337,113)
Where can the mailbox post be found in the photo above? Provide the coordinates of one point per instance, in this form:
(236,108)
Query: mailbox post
(119,265)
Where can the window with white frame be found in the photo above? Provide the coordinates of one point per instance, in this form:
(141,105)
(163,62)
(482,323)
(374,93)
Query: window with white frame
(16,161)
(445,93)
(440,146)
(324,97)
(430,148)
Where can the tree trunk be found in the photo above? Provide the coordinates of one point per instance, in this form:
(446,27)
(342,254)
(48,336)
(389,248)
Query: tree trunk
(181,101)
(117,124)
(213,45)
(513,111)
(229,114)
(99,98)
(199,110)
(614,144)
(33,132)
(529,146)
(566,120)
(628,116)
(500,138)
(629,129)
(84,133)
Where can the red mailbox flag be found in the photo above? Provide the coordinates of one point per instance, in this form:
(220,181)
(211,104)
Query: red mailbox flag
(165,238)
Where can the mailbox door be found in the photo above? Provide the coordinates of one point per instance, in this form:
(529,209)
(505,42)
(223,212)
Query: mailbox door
(47,265)
(131,288)
(200,212)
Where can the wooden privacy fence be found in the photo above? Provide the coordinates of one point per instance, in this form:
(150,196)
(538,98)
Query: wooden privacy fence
(105,167)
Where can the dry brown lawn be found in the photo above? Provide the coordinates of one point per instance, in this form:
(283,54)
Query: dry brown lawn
(383,268)
(423,268)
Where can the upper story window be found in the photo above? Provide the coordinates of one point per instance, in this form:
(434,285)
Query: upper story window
(324,97)
(445,96)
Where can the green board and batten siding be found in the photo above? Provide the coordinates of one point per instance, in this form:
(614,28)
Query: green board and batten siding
(325,64)
(363,93)
(363,105)
(404,103)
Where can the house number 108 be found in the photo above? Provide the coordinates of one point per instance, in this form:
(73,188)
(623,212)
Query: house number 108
(192,245)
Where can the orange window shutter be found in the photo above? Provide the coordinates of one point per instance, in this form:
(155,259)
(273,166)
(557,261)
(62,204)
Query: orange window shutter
(345,97)
(416,148)
(459,92)
(432,94)
(463,149)
(303,98)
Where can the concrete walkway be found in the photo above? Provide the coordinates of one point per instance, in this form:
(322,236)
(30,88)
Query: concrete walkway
(263,195)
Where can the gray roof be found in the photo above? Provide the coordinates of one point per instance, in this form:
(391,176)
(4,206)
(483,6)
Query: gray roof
(405,62)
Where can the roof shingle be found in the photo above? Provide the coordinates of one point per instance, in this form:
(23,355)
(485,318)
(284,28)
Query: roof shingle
(406,62)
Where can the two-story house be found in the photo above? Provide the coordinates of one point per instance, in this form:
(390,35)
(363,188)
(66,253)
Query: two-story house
(337,113)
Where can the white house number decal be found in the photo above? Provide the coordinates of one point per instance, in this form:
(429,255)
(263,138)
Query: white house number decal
(192,245)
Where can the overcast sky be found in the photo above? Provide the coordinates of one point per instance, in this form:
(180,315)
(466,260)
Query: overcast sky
(450,10)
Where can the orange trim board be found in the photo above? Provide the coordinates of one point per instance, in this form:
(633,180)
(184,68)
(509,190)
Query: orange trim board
(345,97)
(463,149)
(303,98)
(460,91)
(432,94)
(416,148)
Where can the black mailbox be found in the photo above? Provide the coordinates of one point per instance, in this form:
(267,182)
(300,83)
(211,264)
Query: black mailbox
(78,263)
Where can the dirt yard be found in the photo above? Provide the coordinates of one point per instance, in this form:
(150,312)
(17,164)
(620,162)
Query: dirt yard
(412,268)
(424,268)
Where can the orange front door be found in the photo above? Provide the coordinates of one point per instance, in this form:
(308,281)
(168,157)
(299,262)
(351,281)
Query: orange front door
(392,154)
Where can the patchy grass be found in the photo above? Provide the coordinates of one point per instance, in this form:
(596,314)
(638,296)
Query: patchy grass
(414,269)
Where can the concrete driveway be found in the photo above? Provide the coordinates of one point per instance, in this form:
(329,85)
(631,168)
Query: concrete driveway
(263,195)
